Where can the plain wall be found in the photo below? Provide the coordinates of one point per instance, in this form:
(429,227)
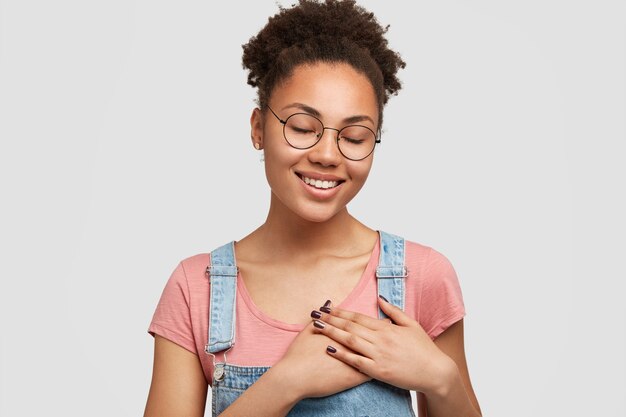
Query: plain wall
(122,123)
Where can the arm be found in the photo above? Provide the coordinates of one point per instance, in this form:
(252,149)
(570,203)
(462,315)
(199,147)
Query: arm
(398,351)
(178,387)
(268,396)
(306,370)
(454,395)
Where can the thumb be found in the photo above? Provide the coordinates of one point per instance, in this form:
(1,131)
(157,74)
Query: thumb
(396,314)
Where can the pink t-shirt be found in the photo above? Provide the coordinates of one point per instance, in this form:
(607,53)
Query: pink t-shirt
(432,297)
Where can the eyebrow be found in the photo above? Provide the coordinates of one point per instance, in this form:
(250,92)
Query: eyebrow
(316,113)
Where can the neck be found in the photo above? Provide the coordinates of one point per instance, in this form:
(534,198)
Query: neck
(287,234)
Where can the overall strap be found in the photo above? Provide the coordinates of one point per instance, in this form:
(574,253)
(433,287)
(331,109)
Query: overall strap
(391,270)
(223,275)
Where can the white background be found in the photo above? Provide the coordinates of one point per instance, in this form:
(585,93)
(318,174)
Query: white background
(125,148)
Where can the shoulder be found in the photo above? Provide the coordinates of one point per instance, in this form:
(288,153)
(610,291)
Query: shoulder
(185,277)
(191,271)
(420,258)
(416,251)
(439,297)
(423,260)
(196,264)
(431,268)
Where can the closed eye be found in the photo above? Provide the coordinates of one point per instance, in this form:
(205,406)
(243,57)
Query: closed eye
(351,140)
(300,130)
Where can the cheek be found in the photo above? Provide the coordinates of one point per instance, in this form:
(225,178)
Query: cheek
(278,159)
(277,149)
(359,171)
(277,155)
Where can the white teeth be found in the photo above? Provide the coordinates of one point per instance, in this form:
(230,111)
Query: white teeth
(320,183)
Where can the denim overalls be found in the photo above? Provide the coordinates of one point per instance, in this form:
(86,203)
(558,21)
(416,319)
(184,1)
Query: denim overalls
(370,399)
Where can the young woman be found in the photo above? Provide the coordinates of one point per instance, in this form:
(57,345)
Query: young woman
(314,313)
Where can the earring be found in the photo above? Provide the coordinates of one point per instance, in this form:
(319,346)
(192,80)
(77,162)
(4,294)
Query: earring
(257,146)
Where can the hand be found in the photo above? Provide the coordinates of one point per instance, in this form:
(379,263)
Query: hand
(314,373)
(397,351)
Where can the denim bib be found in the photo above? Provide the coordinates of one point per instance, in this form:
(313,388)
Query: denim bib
(372,398)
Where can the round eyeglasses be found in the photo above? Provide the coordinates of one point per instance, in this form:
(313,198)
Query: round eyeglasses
(303,131)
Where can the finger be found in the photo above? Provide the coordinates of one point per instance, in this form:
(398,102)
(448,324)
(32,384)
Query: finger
(362,319)
(349,340)
(396,314)
(346,325)
(326,307)
(360,363)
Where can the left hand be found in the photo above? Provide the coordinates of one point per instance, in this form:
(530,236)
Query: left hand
(397,351)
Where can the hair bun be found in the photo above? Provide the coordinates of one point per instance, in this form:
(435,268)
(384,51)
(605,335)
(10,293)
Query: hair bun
(332,30)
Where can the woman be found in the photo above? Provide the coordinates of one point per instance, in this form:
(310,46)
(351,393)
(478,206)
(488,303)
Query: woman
(248,324)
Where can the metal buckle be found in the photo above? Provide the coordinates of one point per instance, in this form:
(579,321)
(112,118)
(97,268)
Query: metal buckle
(219,373)
(405,272)
(208,273)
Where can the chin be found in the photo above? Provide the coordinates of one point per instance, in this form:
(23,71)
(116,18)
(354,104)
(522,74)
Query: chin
(316,216)
(317,219)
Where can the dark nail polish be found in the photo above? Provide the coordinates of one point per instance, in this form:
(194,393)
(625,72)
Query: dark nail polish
(327,303)
(316,314)
(383,298)
(325,310)
(319,324)
(331,349)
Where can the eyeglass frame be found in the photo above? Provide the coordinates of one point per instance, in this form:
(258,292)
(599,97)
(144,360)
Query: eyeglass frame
(284,123)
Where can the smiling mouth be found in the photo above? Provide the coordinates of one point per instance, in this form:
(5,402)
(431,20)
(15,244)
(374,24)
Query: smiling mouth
(319,184)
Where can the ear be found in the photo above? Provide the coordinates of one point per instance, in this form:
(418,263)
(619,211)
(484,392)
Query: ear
(256,128)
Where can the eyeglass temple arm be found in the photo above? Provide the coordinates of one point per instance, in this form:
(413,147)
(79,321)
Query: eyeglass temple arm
(275,115)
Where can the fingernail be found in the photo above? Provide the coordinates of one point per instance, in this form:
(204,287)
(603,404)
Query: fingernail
(331,349)
(384,299)
(325,310)
(316,314)
(318,324)
(327,303)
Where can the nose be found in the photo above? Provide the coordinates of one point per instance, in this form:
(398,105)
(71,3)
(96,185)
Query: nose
(326,152)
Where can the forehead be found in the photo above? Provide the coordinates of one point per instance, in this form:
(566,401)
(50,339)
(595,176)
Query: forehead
(334,89)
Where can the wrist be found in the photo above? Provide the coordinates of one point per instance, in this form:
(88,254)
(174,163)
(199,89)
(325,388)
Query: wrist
(280,379)
(447,375)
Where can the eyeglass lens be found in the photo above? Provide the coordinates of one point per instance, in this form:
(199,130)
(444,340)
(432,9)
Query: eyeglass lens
(303,131)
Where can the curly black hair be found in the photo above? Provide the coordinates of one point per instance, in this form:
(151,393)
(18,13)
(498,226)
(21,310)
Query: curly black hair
(329,31)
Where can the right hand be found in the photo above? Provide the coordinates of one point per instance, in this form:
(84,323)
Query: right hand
(313,372)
